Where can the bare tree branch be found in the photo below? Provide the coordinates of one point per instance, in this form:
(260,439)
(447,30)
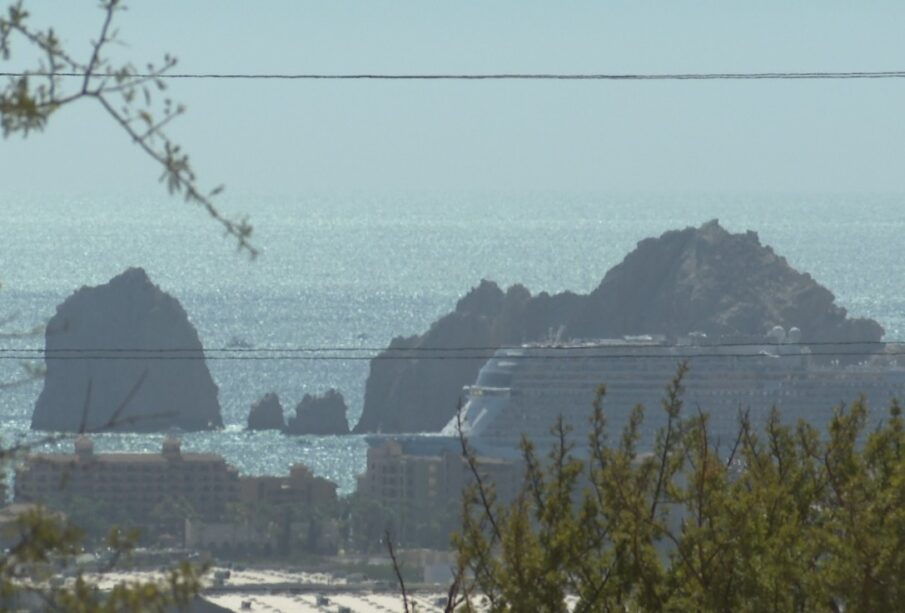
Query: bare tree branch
(483,492)
(397,570)
(117,412)
(25,107)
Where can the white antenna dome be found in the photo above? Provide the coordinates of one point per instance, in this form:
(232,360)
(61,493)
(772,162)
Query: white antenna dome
(777,334)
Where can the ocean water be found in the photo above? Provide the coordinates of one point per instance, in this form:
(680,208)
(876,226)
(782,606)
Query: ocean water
(354,270)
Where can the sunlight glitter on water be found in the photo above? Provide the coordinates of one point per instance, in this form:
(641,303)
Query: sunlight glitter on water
(355,271)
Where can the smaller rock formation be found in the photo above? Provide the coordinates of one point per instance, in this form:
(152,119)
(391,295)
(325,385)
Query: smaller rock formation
(267,414)
(320,415)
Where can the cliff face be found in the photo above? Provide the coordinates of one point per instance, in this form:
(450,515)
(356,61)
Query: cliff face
(696,279)
(320,415)
(710,280)
(417,394)
(108,349)
(267,414)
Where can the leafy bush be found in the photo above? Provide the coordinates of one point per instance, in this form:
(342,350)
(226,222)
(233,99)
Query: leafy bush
(782,519)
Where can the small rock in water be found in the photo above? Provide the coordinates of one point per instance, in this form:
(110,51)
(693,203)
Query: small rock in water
(267,414)
(320,415)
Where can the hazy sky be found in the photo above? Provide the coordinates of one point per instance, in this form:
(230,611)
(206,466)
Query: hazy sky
(293,137)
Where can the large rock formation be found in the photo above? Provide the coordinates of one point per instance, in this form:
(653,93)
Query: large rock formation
(320,415)
(124,356)
(267,414)
(696,279)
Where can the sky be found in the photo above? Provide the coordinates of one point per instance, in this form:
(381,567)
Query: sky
(287,137)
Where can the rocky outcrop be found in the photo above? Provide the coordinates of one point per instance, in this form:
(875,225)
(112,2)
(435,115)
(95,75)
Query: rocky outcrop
(124,356)
(418,393)
(320,415)
(267,414)
(697,279)
(720,283)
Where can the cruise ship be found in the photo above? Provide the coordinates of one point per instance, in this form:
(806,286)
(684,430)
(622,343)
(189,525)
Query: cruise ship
(521,390)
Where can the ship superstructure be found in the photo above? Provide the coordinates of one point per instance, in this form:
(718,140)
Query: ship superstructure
(521,390)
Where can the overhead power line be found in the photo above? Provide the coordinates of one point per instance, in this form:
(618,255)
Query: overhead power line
(489,354)
(347,348)
(503,76)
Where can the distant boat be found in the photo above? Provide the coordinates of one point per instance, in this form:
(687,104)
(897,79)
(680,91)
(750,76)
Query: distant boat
(236,342)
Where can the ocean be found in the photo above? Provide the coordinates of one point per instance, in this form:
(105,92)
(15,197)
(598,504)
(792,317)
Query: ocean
(354,270)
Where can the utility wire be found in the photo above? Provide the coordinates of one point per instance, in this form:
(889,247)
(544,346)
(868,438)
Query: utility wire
(481,348)
(698,76)
(333,349)
(554,356)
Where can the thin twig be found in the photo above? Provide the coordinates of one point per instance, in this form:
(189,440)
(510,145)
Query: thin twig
(86,406)
(109,8)
(125,402)
(26,108)
(743,417)
(453,599)
(397,570)
(481,488)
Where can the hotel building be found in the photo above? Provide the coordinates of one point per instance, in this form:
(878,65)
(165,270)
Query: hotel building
(129,483)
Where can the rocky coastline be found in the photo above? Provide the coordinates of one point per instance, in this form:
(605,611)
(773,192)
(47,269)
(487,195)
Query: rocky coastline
(697,279)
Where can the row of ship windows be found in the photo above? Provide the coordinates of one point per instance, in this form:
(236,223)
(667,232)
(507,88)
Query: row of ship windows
(392,469)
(699,377)
(390,492)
